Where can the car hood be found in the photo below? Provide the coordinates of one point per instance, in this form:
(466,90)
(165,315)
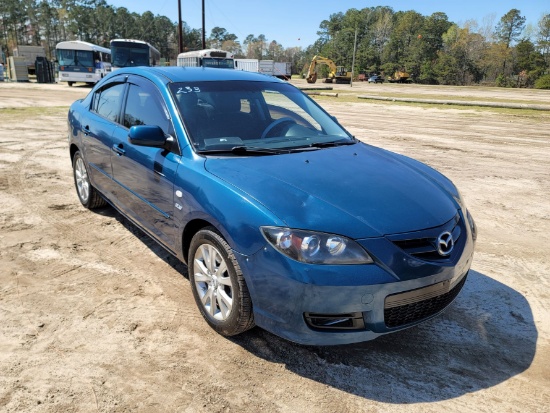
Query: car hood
(358,190)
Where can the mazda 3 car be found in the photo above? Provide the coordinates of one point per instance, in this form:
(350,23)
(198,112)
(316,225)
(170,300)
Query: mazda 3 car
(285,220)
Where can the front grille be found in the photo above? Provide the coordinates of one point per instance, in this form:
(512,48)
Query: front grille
(349,321)
(396,316)
(425,248)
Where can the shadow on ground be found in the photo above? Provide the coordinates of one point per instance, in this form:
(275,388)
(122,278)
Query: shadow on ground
(484,338)
(163,254)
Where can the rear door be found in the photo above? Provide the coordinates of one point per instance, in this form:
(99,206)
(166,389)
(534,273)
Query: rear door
(97,127)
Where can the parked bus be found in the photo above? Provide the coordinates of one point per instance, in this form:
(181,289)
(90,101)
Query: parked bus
(82,62)
(129,52)
(207,58)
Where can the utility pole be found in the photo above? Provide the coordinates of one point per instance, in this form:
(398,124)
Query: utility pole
(180,29)
(353,59)
(203,28)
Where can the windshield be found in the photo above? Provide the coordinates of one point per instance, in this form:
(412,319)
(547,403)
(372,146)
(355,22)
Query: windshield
(83,58)
(253,116)
(129,56)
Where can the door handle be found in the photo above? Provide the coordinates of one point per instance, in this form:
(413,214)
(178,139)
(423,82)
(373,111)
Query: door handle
(87,130)
(118,150)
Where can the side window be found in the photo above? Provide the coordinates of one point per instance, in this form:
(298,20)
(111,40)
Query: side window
(107,102)
(144,106)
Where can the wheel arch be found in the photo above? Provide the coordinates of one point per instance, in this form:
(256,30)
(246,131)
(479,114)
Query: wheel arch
(72,150)
(189,232)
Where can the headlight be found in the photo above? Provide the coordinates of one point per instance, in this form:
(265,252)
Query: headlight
(473,226)
(467,214)
(315,247)
(458,198)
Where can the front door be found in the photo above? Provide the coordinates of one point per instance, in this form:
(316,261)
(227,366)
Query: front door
(144,176)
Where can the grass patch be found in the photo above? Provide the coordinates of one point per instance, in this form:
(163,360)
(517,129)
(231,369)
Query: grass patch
(464,98)
(537,115)
(11,114)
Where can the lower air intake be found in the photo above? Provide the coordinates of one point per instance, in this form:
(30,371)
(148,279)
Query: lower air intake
(396,316)
(325,322)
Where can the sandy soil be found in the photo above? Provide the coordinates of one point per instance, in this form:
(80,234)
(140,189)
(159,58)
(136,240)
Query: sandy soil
(96,317)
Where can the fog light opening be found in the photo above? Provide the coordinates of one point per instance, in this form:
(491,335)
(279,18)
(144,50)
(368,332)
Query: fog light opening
(326,322)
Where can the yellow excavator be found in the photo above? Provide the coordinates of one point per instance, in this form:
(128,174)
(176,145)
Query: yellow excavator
(337,74)
(399,77)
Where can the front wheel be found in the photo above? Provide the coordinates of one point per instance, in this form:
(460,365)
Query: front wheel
(218,284)
(87,194)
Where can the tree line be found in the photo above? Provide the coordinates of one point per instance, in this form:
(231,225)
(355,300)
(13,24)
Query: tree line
(48,22)
(431,48)
(435,50)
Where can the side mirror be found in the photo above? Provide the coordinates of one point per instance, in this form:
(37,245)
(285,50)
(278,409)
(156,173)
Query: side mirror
(149,135)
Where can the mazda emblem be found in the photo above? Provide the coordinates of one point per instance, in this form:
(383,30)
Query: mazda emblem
(445,244)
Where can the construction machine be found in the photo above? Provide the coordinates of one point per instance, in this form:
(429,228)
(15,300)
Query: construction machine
(399,77)
(337,74)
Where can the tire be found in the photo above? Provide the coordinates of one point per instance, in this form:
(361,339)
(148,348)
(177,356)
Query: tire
(87,194)
(218,284)
(70,83)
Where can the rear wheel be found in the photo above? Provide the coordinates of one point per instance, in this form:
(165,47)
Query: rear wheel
(218,284)
(70,83)
(87,194)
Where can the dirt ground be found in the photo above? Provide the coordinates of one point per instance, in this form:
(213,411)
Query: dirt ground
(96,317)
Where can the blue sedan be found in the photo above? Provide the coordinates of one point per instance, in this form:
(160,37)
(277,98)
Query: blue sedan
(284,219)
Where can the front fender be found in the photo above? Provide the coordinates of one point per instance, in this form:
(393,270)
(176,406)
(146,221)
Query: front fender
(237,216)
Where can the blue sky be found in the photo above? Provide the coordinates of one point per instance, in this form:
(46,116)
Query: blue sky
(296,23)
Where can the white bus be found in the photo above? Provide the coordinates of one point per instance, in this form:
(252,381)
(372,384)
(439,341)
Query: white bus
(82,62)
(129,52)
(207,58)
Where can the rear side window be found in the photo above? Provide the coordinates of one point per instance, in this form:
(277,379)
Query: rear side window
(108,101)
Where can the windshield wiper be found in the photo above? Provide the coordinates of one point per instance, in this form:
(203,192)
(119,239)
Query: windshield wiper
(333,143)
(252,150)
(256,150)
(248,150)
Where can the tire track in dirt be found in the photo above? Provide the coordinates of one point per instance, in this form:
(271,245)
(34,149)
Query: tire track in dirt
(90,246)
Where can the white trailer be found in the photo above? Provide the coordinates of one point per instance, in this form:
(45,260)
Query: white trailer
(30,53)
(266,67)
(247,65)
(281,70)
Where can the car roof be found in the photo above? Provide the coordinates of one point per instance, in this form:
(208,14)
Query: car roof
(196,74)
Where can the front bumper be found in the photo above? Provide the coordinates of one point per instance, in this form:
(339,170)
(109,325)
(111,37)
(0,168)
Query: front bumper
(329,305)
